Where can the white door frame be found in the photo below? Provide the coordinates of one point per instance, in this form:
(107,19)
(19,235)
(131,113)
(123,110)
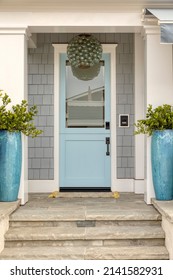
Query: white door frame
(107,48)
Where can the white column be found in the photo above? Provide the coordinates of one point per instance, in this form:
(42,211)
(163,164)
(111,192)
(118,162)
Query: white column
(13,80)
(139,113)
(158,87)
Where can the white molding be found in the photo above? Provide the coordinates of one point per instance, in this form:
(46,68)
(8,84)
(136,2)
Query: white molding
(46,186)
(24,183)
(139,105)
(139,186)
(15,31)
(42,186)
(107,48)
(61,20)
(112,50)
(129,185)
(150,30)
(123,185)
(57,50)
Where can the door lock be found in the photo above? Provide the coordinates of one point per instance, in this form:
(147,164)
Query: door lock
(108,143)
(107,125)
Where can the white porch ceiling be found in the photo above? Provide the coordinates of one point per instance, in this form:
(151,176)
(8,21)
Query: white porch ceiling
(82,5)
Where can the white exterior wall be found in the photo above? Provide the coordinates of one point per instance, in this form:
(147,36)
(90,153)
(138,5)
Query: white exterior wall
(158,88)
(13,73)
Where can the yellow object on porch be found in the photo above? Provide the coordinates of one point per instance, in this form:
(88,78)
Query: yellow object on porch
(53,194)
(116,195)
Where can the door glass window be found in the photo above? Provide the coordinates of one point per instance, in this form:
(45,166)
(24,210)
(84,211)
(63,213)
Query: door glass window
(85,100)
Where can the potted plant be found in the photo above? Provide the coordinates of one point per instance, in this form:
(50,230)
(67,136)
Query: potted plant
(13,121)
(159,125)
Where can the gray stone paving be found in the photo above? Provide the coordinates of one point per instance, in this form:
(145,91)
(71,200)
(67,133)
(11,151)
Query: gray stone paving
(78,206)
(85,226)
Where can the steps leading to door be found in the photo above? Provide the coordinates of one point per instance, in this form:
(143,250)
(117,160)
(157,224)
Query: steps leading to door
(85,228)
(144,240)
(103,236)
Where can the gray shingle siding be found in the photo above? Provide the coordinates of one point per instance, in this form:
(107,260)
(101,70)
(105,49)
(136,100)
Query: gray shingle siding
(41,90)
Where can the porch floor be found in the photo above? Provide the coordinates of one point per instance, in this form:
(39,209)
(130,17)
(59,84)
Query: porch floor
(86,206)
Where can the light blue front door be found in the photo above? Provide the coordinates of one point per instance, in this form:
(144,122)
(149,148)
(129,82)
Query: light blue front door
(85,128)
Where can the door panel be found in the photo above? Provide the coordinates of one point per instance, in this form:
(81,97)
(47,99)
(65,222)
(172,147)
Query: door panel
(84,163)
(84,110)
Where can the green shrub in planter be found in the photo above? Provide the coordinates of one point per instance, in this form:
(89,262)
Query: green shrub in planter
(18,118)
(160,118)
(14,120)
(159,125)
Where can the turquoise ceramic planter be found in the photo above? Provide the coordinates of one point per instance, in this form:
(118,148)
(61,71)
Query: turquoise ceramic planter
(162,164)
(10,165)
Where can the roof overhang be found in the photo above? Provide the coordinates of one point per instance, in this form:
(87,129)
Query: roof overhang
(165,20)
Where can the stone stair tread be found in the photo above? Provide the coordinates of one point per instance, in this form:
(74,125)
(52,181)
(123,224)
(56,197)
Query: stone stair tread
(88,233)
(98,253)
(45,214)
(129,253)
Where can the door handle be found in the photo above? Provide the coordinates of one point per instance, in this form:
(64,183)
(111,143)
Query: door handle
(107,143)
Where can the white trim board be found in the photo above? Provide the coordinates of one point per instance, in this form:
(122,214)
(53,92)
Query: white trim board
(42,186)
(129,185)
(121,185)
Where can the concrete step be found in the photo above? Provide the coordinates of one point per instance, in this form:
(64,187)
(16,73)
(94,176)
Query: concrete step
(93,236)
(82,214)
(84,223)
(83,243)
(87,253)
(87,228)
(55,233)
